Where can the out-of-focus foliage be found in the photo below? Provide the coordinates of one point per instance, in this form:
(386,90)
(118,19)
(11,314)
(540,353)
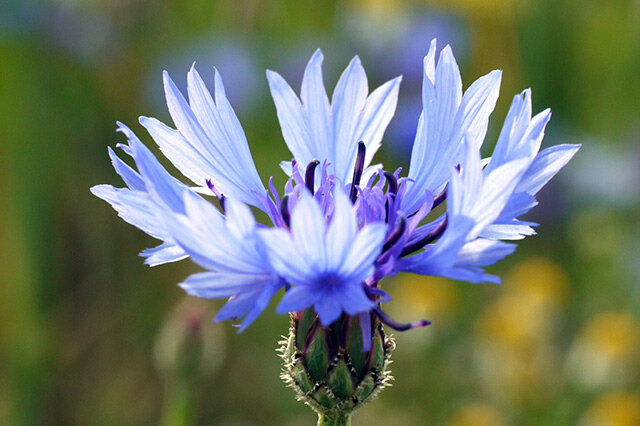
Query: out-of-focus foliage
(87,333)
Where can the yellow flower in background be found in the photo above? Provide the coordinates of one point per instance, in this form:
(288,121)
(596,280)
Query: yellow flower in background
(606,352)
(477,414)
(420,296)
(541,279)
(514,337)
(529,309)
(613,409)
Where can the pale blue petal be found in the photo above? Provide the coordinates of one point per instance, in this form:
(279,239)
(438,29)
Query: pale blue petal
(297,299)
(477,105)
(214,285)
(308,229)
(164,253)
(316,106)
(342,230)
(165,188)
(378,112)
(291,118)
(355,300)
(442,256)
(329,308)
(134,207)
(546,164)
(226,148)
(260,304)
(507,231)
(284,256)
(446,118)
(189,160)
(240,220)
(482,252)
(238,306)
(348,100)
(496,191)
(128,175)
(366,247)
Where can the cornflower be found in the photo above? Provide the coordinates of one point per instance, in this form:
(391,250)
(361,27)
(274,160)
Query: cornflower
(340,225)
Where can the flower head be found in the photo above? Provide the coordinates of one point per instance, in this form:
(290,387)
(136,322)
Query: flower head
(339,225)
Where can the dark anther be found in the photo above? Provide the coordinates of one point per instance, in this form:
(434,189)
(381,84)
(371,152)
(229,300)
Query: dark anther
(393,182)
(429,238)
(284,210)
(216,193)
(357,171)
(310,174)
(386,319)
(395,235)
(438,199)
(222,199)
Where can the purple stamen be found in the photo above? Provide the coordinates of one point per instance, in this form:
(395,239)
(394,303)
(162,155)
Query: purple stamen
(393,182)
(310,174)
(387,320)
(395,235)
(440,198)
(357,171)
(429,238)
(284,210)
(375,292)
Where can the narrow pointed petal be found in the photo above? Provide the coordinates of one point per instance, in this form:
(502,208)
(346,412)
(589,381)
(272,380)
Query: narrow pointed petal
(348,100)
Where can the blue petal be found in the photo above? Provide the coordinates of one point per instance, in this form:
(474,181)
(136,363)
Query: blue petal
(348,100)
(546,164)
(378,112)
(315,129)
(367,245)
(446,118)
(329,307)
(355,300)
(297,299)
(213,285)
(128,175)
(317,109)
(291,118)
(213,131)
(134,207)
(308,230)
(164,253)
(341,232)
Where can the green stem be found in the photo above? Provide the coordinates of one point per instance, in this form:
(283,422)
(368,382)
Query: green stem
(178,406)
(339,419)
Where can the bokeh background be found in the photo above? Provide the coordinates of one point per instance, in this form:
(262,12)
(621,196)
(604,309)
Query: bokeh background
(89,335)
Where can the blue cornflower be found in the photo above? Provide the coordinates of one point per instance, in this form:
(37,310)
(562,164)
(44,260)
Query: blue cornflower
(340,225)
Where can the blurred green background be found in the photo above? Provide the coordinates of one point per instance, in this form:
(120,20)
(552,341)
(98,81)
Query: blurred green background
(89,335)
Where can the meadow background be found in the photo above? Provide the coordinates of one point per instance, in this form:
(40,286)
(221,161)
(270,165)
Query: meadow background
(89,335)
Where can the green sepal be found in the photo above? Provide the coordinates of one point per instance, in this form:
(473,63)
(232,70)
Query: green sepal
(324,398)
(377,352)
(317,356)
(301,377)
(340,381)
(303,326)
(329,371)
(365,388)
(354,348)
